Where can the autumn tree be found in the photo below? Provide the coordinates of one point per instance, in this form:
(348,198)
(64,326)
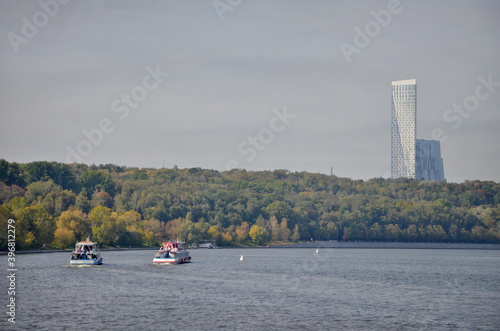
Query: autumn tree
(257,234)
(64,238)
(296,233)
(284,231)
(157,232)
(75,220)
(242,232)
(101,198)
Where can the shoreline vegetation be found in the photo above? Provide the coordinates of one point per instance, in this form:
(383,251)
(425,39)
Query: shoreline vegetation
(307,245)
(54,205)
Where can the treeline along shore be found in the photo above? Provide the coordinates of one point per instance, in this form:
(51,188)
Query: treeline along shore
(394,245)
(55,204)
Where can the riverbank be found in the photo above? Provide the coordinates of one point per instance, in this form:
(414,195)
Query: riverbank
(388,245)
(40,251)
(314,244)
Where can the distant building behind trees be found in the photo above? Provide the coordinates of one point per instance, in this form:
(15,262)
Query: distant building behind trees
(429,163)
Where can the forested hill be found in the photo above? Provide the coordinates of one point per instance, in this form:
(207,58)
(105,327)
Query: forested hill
(56,204)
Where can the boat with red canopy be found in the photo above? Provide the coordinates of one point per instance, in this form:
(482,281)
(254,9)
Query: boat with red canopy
(172,252)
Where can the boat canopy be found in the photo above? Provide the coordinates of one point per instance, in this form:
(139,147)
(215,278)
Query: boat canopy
(173,246)
(86,245)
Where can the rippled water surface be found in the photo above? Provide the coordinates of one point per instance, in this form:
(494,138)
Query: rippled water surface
(358,289)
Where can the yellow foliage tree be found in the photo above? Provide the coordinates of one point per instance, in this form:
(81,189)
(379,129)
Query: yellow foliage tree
(75,220)
(64,238)
(257,234)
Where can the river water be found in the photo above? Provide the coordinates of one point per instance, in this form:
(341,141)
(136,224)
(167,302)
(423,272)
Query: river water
(271,289)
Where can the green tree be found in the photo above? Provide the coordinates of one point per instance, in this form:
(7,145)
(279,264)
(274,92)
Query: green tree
(37,191)
(479,234)
(60,173)
(36,227)
(453,232)
(94,180)
(376,232)
(10,173)
(140,175)
(58,201)
(279,209)
(82,202)
(436,233)
(410,233)
(392,232)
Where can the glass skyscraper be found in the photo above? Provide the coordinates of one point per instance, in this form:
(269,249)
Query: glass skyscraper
(403,128)
(429,161)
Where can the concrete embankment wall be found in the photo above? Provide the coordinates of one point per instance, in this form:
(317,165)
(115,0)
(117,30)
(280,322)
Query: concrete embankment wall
(400,245)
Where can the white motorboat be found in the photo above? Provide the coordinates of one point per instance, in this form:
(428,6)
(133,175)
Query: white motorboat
(172,252)
(86,253)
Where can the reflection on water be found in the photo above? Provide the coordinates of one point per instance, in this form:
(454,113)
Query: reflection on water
(270,289)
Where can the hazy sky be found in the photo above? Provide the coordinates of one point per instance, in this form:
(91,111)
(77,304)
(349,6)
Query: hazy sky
(259,85)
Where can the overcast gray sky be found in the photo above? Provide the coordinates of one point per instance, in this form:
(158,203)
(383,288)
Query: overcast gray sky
(273,70)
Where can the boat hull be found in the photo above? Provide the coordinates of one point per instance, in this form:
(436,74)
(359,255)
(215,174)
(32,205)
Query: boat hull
(172,253)
(170,260)
(86,262)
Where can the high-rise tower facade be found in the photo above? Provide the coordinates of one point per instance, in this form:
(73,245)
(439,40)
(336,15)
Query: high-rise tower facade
(403,128)
(429,163)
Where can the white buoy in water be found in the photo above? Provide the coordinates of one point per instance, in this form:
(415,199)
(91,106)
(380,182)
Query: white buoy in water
(241,258)
(317,251)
